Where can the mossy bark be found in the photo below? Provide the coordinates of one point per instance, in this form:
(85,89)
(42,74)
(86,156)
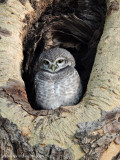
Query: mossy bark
(57,127)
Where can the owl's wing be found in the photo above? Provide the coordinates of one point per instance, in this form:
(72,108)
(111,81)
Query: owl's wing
(68,87)
(45,91)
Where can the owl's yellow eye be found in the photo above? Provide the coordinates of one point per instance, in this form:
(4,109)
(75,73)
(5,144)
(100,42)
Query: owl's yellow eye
(46,62)
(60,61)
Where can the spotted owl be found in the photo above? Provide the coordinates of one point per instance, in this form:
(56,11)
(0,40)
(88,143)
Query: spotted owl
(57,82)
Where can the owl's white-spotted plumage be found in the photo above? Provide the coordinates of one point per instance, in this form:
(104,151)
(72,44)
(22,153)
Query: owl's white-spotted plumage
(57,82)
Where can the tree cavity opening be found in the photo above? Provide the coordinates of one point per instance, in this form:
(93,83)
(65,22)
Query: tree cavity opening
(73,25)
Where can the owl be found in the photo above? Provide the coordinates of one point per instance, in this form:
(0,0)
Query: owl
(57,82)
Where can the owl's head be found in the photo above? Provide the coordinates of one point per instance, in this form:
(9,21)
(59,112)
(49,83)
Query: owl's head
(56,59)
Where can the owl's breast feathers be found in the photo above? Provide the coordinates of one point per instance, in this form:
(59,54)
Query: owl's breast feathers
(57,89)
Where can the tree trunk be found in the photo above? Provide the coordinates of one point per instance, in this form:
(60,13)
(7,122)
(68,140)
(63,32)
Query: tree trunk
(89,130)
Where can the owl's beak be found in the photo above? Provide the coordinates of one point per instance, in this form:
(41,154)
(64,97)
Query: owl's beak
(53,68)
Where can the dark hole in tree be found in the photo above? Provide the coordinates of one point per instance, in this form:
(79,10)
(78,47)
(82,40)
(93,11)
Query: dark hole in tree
(119,119)
(73,25)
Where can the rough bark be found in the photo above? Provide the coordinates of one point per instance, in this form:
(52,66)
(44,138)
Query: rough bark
(58,134)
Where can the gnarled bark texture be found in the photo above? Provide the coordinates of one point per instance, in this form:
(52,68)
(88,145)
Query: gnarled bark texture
(89,130)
